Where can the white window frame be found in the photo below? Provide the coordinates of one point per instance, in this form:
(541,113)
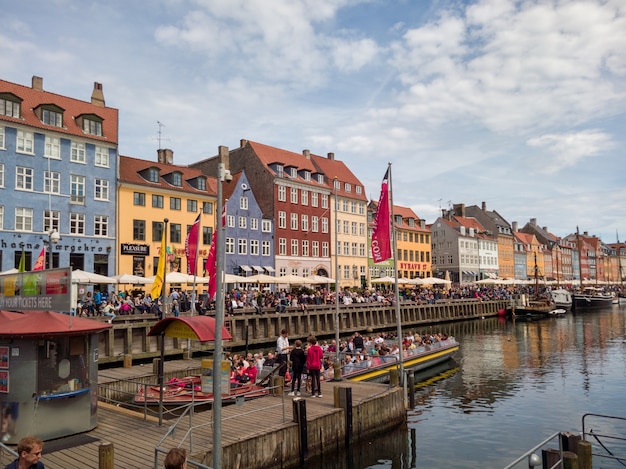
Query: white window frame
(77,189)
(254,224)
(23,219)
(2,141)
(314,198)
(254,247)
(1,174)
(294,221)
(77,223)
(243,222)
(315,248)
(282,194)
(25,142)
(102,157)
(230,246)
(282,219)
(324,225)
(282,246)
(315,223)
(325,249)
(51,220)
(294,247)
(243,203)
(51,182)
(305,247)
(304,222)
(230,221)
(77,153)
(242,246)
(266,226)
(1,217)
(293,195)
(100,226)
(101,189)
(24,178)
(52,148)
(304,197)
(266,248)
(324,200)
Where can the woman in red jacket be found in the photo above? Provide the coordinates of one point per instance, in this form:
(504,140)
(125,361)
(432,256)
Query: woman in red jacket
(314,358)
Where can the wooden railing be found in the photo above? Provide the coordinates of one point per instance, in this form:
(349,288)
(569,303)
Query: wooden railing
(129,339)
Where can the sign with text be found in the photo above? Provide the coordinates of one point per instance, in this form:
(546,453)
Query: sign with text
(43,290)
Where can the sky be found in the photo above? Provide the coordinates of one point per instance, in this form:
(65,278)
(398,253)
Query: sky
(518,104)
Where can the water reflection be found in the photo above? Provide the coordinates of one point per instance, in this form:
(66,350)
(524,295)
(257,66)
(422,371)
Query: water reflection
(514,384)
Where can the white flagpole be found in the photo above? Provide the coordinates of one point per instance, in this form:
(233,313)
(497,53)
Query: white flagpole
(396,291)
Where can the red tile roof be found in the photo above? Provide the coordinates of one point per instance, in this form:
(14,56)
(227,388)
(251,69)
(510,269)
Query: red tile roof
(336,168)
(72,108)
(270,155)
(130,169)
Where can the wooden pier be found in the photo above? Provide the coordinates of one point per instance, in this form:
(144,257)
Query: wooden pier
(261,433)
(128,339)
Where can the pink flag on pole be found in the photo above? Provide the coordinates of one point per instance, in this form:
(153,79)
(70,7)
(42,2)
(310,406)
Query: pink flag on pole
(381,240)
(211,262)
(41,260)
(191,247)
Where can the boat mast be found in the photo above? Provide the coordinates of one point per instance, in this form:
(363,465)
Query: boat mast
(580,259)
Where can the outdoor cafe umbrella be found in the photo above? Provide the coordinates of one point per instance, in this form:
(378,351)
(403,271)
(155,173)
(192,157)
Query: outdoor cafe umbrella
(319,279)
(262,278)
(129,279)
(80,276)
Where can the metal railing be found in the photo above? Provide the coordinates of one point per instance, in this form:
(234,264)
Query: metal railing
(605,442)
(534,460)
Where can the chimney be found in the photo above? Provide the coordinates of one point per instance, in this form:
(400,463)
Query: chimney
(585,233)
(459,210)
(242,143)
(533,221)
(514,226)
(307,154)
(165,156)
(545,228)
(223,156)
(97,96)
(484,206)
(37,83)
(331,156)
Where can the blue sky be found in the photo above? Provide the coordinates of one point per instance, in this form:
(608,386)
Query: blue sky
(520,104)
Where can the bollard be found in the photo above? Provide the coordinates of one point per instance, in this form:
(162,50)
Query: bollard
(411,387)
(299,417)
(155,366)
(570,460)
(278,383)
(337,371)
(393,377)
(128,360)
(583,450)
(105,455)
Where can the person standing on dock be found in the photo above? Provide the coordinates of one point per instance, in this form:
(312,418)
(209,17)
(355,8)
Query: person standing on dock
(314,357)
(29,454)
(298,359)
(282,351)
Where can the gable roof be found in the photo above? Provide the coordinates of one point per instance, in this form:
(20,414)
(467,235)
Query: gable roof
(72,108)
(332,169)
(271,155)
(131,168)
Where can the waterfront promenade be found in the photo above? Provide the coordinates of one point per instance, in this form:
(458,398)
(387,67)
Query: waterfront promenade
(260,432)
(128,338)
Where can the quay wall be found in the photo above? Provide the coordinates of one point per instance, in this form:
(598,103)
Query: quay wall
(325,432)
(128,338)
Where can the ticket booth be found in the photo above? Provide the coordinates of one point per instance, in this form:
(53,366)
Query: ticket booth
(48,374)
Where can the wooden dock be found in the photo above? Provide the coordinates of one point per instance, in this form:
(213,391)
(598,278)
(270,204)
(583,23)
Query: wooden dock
(259,433)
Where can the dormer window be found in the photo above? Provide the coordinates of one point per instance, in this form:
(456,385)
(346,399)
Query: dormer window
(398,219)
(201,183)
(92,127)
(10,105)
(337,184)
(411,222)
(320,178)
(294,172)
(307,175)
(347,187)
(177,179)
(279,170)
(51,115)
(358,189)
(153,175)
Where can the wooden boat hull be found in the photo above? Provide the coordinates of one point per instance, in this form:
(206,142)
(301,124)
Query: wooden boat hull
(416,362)
(585,302)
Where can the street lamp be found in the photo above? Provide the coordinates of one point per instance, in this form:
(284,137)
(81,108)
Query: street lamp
(53,238)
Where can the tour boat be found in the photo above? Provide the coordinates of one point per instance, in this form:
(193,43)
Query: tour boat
(592,298)
(376,369)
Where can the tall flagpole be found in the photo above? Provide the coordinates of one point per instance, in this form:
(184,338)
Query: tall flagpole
(396,291)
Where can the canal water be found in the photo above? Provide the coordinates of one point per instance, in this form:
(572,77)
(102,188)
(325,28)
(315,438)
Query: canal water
(511,385)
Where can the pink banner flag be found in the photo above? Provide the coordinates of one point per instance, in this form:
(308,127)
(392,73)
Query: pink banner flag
(41,260)
(211,262)
(381,240)
(191,247)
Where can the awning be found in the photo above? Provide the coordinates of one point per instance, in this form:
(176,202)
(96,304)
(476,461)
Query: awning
(200,328)
(245,268)
(269,268)
(257,268)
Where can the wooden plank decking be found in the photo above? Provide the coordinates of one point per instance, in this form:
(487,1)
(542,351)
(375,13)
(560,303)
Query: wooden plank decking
(134,439)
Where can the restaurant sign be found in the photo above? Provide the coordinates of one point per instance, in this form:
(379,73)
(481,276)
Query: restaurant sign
(41,290)
(136,249)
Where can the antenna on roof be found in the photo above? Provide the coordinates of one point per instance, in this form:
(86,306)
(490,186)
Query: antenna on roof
(160,138)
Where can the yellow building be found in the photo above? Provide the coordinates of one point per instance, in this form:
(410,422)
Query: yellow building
(413,246)
(150,192)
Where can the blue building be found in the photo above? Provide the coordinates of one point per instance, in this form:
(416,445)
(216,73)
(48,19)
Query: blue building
(249,236)
(58,168)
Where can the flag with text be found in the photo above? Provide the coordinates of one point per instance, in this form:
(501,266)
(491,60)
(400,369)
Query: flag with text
(381,239)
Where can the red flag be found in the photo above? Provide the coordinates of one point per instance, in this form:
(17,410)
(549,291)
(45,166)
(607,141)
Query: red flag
(41,260)
(191,247)
(211,261)
(381,240)
(211,267)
